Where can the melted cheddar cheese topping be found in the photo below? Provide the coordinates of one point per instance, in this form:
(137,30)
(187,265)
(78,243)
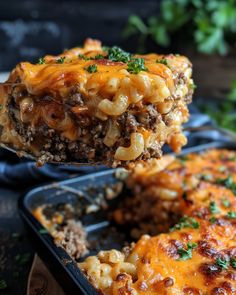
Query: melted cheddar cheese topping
(56,78)
(197,255)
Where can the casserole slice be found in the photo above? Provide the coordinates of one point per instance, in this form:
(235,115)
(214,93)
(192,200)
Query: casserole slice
(96,104)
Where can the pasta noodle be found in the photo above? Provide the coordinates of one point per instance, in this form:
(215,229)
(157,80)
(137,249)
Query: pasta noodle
(133,151)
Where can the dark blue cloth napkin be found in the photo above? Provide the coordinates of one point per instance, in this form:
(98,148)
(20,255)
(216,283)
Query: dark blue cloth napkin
(17,172)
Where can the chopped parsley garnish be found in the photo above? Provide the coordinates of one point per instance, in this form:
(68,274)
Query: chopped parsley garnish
(183,159)
(185,222)
(213,208)
(228,183)
(226,203)
(206,177)
(162,61)
(136,65)
(199,214)
(231,214)
(115,53)
(223,263)
(233,262)
(99,56)
(222,168)
(61,60)
(193,86)
(212,220)
(233,159)
(41,61)
(84,57)
(186,254)
(1,107)
(3,284)
(91,68)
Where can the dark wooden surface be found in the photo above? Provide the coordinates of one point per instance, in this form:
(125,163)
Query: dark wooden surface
(15,251)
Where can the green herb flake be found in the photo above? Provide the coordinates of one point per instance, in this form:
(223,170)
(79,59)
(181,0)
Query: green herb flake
(117,54)
(223,263)
(41,61)
(233,262)
(185,222)
(99,56)
(228,183)
(222,168)
(91,68)
(162,61)
(3,284)
(136,65)
(214,208)
(233,158)
(199,214)
(213,220)
(226,203)
(206,177)
(183,159)
(193,86)
(61,60)
(84,57)
(186,254)
(231,214)
(105,48)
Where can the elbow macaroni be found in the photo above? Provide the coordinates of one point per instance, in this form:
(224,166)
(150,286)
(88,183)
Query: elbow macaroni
(133,151)
(113,133)
(116,107)
(104,268)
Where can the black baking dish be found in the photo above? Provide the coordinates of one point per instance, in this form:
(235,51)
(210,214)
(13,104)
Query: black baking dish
(59,262)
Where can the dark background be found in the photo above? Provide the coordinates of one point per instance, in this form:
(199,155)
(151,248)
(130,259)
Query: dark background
(31,29)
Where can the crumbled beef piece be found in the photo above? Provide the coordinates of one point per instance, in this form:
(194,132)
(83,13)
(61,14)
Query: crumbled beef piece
(149,117)
(72,238)
(128,124)
(131,123)
(75,99)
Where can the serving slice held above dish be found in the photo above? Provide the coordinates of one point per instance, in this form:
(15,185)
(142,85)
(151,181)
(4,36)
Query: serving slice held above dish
(96,105)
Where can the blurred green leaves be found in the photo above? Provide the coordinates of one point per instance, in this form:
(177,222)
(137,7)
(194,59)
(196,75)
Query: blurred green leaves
(224,113)
(209,25)
(232,94)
